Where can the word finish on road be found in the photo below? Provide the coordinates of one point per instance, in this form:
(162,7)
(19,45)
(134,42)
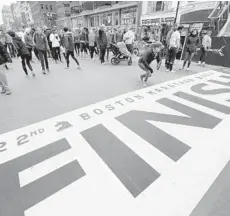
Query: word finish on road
(153,151)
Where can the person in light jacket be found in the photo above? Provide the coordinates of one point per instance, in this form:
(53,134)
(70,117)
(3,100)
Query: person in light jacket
(206,45)
(29,41)
(91,43)
(4,58)
(55,40)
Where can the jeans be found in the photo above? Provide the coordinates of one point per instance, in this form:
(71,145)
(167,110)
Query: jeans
(30,51)
(26,61)
(92,50)
(3,79)
(203,55)
(188,58)
(77,48)
(102,54)
(172,57)
(83,47)
(56,53)
(36,53)
(44,59)
(71,53)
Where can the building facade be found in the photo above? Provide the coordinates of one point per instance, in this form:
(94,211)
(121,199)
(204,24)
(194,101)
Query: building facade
(111,14)
(7,17)
(26,14)
(17,18)
(64,13)
(44,13)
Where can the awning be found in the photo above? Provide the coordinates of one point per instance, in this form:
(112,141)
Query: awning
(200,16)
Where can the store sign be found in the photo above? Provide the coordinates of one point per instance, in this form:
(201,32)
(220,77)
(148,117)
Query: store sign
(150,21)
(167,20)
(197,26)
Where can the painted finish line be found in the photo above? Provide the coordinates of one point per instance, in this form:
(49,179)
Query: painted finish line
(155,150)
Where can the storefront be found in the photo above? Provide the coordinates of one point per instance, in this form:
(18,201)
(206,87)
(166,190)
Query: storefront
(128,16)
(77,22)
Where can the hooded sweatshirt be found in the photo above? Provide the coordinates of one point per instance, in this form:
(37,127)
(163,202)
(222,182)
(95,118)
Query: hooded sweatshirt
(102,39)
(4,56)
(20,46)
(69,41)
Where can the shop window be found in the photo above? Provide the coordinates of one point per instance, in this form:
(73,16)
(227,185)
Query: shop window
(47,7)
(51,8)
(42,6)
(159,5)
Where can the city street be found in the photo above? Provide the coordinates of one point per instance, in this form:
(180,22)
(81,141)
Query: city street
(96,142)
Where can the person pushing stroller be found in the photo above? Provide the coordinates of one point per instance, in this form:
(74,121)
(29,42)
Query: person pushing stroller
(144,61)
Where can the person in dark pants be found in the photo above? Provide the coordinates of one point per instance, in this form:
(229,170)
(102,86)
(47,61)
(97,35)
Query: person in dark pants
(174,46)
(92,43)
(69,47)
(145,60)
(102,43)
(77,42)
(29,41)
(42,46)
(83,41)
(22,51)
(55,40)
(192,45)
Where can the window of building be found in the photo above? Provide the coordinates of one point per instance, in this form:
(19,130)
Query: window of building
(116,18)
(42,6)
(47,8)
(159,5)
(51,8)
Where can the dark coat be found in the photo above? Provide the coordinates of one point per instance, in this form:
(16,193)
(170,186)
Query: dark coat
(4,56)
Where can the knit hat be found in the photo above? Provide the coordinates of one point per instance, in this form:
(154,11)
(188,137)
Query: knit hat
(11,33)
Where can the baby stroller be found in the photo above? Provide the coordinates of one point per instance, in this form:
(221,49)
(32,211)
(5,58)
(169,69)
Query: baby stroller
(120,53)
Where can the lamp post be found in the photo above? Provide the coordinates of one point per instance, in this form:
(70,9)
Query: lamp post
(177,9)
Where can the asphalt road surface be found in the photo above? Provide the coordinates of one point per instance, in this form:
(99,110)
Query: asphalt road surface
(95,142)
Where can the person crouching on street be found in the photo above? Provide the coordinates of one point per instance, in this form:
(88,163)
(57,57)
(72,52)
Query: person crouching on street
(144,61)
(23,52)
(42,46)
(4,58)
(69,47)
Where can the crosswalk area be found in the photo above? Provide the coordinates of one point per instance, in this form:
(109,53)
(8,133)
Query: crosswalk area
(153,151)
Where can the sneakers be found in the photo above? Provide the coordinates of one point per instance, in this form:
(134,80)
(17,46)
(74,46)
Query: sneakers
(48,70)
(167,70)
(187,69)
(6,92)
(43,72)
(33,74)
(199,62)
(66,67)
(79,67)
(182,68)
(142,77)
(172,71)
(144,84)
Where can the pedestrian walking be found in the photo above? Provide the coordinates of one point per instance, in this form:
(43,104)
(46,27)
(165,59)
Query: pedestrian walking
(4,58)
(102,43)
(118,36)
(92,43)
(29,41)
(110,39)
(77,41)
(191,47)
(23,52)
(168,37)
(69,47)
(41,44)
(174,46)
(33,30)
(144,61)
(55,40)
(206,45)
(83,43)
(128,38)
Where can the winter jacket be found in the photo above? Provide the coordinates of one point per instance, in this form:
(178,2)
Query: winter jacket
(168,37)
(41,42)
(192,43)
(91,39)
(207,42)
(4,56)
(68,41)
(29,40)
(118,37)
(77,38)
(102,40)
(83,38)
(129,37)
(55,40)
(148,57)
(18,43)
(9,39)
(175,40)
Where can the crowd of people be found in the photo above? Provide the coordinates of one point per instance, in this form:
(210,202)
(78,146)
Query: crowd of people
(59,45)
